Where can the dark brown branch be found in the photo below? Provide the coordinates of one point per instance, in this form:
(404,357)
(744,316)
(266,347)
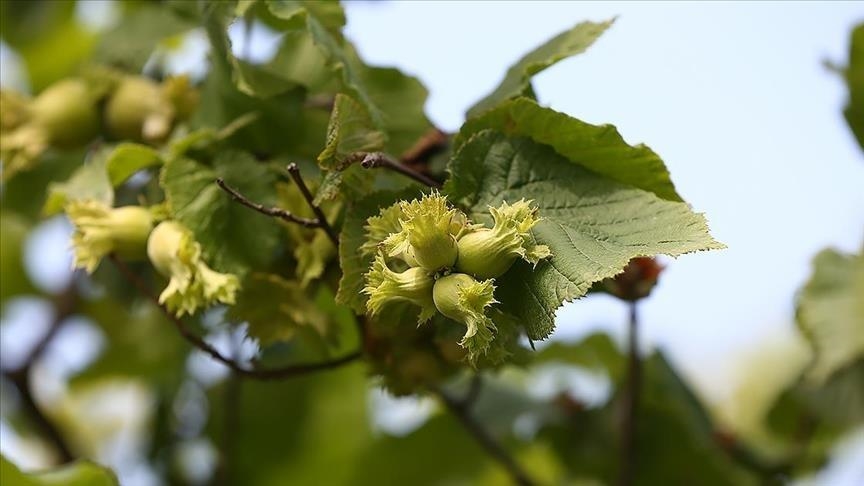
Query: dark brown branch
(294,171)
(461,409)
(379,159)
(430,144)
(198,342)
(632,389)
(64,306)
(267,210)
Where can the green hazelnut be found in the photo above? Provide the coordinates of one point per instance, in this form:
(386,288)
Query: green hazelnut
(138,110)
(66,112)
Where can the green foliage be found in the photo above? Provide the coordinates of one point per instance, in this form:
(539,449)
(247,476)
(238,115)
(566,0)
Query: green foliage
(831,312)
(128,158)
(350,131)
(37,31)
(599,149)
(234,238)
(854,111)
(13,279)
(129,44)
(78,473)
(276,309)
(592,224)
(89,181)
(517,81)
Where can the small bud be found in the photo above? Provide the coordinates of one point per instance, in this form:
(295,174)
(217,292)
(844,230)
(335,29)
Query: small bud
(636,281)
(426,233)
(192,284)
(463,299)
(384,286)
(489,253)
(100,230)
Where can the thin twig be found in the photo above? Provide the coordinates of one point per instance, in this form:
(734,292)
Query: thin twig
(294,171)
(267,210)
(64,306)
(461,409)
(379,159)
(632,389)
(198,342)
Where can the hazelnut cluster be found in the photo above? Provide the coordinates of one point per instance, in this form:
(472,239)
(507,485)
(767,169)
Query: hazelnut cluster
(129,232)
(451,262)
(69,114)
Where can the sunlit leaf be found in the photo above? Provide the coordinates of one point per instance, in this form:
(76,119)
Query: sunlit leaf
(592,224)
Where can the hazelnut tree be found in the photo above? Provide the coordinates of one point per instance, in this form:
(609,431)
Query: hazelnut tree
(304,208)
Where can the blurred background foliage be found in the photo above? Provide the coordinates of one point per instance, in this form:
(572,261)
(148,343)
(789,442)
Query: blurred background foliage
(127,392)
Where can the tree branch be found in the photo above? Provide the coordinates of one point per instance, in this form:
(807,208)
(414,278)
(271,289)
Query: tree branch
(629,422)
(380,159)
(294,171)
(198,342)
(269,211)
(64,306)
(461,409)
(430,144)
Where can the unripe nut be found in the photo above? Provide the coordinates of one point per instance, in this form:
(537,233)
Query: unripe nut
(137,110)
(484,255)
(67,113)
(445,294)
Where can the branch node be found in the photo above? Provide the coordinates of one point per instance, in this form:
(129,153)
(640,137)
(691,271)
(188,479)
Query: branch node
(379,159)
(294,172)
(268,211)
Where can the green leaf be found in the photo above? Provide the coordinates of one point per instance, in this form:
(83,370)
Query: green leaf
(831,312)
(234,238)
(854,111)
(13,279)
(130,43)
(275,308)
(592,224)
(250,79)
(328,13)
(354,262)
(676,443)
(78,473)
(350,131)
(298,430)
(37,31)
(448,456)
(596,351)
(89,181)
(128,158)
(141,343)
(401,100)
(599,148)
(323,21)
(517,81)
